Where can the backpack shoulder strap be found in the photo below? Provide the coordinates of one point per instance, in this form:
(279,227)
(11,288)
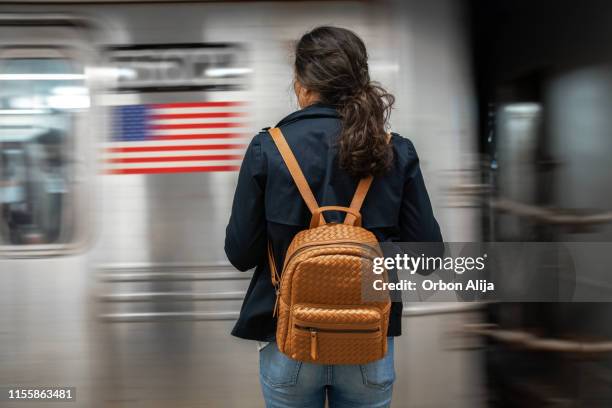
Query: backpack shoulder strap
(294,169)
(358,198)
(305,191)
(360,194)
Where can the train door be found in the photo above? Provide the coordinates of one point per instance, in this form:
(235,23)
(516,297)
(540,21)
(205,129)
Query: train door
(47,126)
(166,298)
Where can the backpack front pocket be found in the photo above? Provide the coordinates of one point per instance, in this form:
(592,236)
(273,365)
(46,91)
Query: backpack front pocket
(336,335)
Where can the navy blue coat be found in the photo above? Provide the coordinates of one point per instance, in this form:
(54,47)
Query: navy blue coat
(267,205)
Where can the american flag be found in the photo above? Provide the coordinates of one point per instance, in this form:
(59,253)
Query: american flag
(177,138)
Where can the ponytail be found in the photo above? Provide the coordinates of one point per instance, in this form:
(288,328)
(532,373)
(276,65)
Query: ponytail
(363,147)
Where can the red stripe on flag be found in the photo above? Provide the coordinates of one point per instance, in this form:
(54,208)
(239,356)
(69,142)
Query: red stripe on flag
(198,115)
(196,126)
(196,105)
(173,148)
(176,158)
(200,136)
(175,170)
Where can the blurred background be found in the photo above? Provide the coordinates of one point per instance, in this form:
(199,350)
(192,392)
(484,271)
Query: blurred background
(122,126)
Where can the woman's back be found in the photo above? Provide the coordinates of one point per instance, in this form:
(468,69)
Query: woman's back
(268,205)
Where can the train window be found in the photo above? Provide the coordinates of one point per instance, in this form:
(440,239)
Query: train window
(40,101)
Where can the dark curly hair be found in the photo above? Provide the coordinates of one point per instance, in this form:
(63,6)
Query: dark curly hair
(333,62)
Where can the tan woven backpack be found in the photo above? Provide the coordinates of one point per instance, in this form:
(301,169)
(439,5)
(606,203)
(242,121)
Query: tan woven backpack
(322,317)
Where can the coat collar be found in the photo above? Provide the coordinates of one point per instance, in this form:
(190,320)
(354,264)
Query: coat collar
(316,110)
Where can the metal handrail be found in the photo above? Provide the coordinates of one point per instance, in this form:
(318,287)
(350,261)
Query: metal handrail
(157,266)
(168,316)
(549,216)
(529,341)
(39,19)
(173,276)
(169,296)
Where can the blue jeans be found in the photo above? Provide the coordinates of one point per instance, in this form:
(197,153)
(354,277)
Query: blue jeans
(289,383)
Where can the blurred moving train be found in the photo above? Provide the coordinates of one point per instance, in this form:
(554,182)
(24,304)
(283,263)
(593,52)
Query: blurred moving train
(122,125)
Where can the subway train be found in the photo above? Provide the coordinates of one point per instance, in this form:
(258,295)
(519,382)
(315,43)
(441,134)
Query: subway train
(113,278)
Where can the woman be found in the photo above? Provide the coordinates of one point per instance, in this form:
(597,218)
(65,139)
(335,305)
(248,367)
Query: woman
(338,137)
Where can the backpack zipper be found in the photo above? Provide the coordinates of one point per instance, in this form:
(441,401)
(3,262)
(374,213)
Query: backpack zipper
(322,330)
(314,342)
